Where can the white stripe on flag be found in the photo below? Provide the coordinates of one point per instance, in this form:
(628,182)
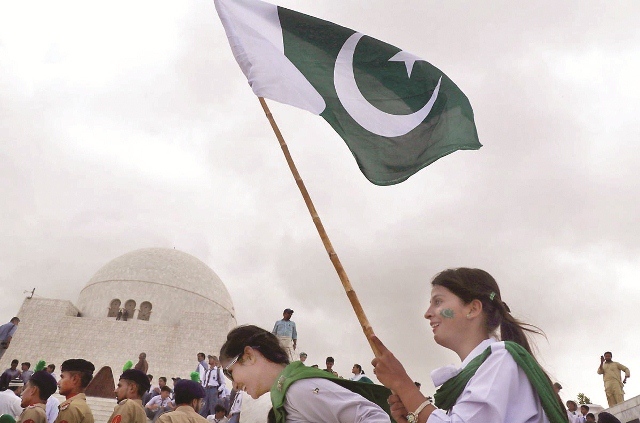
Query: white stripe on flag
(254,33)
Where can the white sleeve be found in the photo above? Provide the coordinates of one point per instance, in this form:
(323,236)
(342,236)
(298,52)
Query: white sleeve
(499,392)
(16,410)
(221,381)
(202,372)
(52,409)
(320,400)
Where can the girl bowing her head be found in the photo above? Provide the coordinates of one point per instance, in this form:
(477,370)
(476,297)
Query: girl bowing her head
(255,362)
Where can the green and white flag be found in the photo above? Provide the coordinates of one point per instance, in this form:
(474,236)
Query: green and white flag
(396,112)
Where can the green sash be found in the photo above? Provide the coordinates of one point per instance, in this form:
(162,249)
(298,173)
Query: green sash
(447,395)
(295,371)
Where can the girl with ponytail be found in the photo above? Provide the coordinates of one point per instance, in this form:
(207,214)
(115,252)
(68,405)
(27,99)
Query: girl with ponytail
(498,381)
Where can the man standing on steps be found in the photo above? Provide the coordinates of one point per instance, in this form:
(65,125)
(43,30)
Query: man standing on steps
(6,333)
(285,330)
(610,371)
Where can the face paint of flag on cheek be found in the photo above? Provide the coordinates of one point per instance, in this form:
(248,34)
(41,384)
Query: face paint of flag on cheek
(447,313)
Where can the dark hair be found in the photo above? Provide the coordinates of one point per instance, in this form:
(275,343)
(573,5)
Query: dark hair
(14,319)
(219,407)
(202,354)
(608,352)
(186,391)
(572,402)
(51,366)
(255,337)
(585,406)
(605,417)
(140,389)
(14,361)
(26,363)
(163,379)
(591,414)
(165,388)
(330,360)
(476,284)
(46,387)
(359,367)
(150,377)
(85,378)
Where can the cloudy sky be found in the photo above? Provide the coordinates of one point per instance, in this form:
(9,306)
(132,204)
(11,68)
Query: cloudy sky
(127,125)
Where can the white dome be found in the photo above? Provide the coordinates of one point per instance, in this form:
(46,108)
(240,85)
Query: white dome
(168,280)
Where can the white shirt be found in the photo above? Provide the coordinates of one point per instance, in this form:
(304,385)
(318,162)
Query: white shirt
(212,418)
(10,403)
(159,401)
(499,392)
(213,377)
(574,416)
(202,369)
(237,403)
(52,409)
(320,400)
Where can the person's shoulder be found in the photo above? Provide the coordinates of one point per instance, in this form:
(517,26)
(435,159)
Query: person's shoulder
(79,402)
(500,357)
(165,417)
(128,404)
(312,386)
(33,412)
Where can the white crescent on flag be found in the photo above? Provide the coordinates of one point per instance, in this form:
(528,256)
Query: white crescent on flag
(364,113)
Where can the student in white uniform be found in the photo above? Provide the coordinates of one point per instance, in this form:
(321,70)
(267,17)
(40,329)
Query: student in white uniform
(497,382)
(256,363)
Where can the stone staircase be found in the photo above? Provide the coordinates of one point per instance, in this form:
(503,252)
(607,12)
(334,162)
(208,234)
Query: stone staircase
(101,408)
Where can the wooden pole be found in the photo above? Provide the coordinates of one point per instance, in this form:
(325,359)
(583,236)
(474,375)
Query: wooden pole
(351,294)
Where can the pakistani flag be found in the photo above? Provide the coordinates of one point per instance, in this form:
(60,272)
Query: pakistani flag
(396,112)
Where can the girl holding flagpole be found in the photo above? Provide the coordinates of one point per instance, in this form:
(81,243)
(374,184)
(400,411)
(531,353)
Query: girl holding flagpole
(497,381)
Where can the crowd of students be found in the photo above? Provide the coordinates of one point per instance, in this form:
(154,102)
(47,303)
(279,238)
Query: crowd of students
(499,380)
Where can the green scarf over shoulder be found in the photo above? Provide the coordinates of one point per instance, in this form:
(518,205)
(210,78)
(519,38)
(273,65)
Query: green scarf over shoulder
(295,371)
(447,395)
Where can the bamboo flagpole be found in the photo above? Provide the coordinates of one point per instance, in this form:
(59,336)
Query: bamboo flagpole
(342,274)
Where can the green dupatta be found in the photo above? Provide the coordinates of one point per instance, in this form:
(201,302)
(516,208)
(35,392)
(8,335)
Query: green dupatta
(295,371)
(447,395)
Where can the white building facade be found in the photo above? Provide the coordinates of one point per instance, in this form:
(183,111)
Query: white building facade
(176,306)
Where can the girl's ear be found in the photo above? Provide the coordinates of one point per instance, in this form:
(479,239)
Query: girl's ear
(475,308)
(249,355)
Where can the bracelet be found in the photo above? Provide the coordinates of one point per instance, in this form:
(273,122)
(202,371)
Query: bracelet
(413,417)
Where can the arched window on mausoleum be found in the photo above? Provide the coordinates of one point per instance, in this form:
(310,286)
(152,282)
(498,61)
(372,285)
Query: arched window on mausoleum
(129,309)
(145,310)
(114,306)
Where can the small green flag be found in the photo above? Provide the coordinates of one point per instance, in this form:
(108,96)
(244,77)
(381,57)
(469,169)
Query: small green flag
(396,112)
